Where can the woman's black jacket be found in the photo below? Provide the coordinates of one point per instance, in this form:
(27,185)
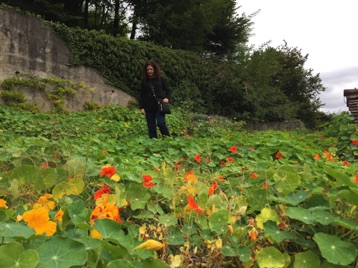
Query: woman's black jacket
(161,90)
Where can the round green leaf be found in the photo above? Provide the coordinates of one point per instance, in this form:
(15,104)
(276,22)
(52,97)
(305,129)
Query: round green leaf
(175,237)
(270,257)
(137,196)
(15,229)
(14,255)
(266,215)
(334,250)
(61,252)
(300,214)
(306,259)
(229,251)
(218,221)
(168,220)
(272,231)
(244,253)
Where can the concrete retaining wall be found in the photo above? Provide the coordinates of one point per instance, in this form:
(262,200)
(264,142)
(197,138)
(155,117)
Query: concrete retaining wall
(29,45)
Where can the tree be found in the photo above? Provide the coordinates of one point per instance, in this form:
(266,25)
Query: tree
(204,26)
(280,83)
(299,84)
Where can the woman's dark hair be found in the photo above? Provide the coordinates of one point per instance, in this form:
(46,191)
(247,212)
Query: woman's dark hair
(157,72)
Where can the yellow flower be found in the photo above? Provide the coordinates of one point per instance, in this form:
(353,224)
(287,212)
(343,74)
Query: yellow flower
(39,220)
(150,245)
(3,203)
(96,234)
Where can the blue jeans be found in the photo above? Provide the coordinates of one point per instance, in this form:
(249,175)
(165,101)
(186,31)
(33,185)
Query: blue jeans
(155,118)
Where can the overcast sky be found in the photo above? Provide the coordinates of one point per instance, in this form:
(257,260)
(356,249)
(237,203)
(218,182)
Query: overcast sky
(323,29)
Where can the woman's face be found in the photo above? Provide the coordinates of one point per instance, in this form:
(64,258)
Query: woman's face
(150,70)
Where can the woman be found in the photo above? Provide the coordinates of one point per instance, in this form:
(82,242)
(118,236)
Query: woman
(152,80)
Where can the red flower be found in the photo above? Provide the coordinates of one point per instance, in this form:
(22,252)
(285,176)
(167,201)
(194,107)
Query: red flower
(355,180)
(233,149)
(223,164)
(104,190)
(147,181)
(230,159)
(278,155)
(198,158)
(254,175)
(346,163)
(44,165)
(107,170)
(192,205)
(355,142)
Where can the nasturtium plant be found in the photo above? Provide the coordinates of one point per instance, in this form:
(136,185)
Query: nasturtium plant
(89,189)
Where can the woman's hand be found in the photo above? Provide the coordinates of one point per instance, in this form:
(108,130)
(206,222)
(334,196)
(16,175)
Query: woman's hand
(142,111)
(165,100)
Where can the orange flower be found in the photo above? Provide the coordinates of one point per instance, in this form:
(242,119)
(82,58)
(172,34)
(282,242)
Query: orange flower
(221,178)
(190,176)
(230,159)
(44,202)
(192,205)
(3,203)
(252,149)
(265,185)
(317,157)
(355,180)
(254,175)
(214,187)
(207,160)
(104,190)
(105,211)
(39,220)
(328,156)
(253,234)
(147,181)
(198,158)
(223,164)
(278,155)
(59,214)
(233,149)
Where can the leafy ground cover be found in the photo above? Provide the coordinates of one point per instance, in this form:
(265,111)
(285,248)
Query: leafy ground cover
(91,190)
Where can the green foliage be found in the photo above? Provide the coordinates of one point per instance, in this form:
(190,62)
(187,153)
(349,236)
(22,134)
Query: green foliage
(264,198)
(92,106)
(343,132)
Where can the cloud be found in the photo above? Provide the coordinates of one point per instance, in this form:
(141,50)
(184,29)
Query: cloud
(336,82)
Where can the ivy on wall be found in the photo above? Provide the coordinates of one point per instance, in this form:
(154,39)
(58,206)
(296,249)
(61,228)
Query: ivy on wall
(55,89)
